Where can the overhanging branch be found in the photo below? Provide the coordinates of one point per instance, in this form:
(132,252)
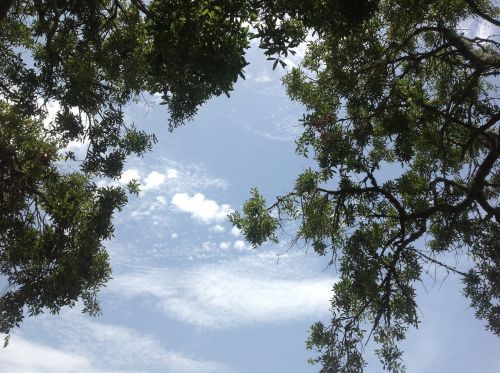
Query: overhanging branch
(475,9)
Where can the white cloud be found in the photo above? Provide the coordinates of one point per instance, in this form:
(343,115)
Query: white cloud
(161,200)
(187,177)
(129,175)
(217,228)
(77,147)
(208,246)
(263,77)
(230,294)
(158,186)
(174,236)
(278,116)
(235,231)
(22,356)
(51,107)
(87,346)
(201,208)
(172,173)
(300,50)
(153,181)
(224,245)
(181,177)
(240,245)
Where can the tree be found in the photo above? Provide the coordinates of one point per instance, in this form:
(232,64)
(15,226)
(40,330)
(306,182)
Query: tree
(400,87)
(93,57)
(51,225)
(385,82)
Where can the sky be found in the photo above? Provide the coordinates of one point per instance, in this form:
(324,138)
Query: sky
(189,295)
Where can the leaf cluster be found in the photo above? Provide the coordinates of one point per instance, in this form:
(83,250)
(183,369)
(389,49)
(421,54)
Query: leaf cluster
(52,225)
(402,118)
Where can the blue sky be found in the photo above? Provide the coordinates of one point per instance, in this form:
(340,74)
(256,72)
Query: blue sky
(189,295)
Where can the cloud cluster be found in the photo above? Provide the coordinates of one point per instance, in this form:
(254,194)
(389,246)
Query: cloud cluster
(205,210)
(231,293)
(153,180)
(88,346)
(217,228)
(23,356)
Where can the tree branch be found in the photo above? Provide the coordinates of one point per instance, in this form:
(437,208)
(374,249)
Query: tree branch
(142,7)
(475,9)
(435,261)
(492,59)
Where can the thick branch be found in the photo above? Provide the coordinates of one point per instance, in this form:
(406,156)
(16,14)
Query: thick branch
(475,9)
(457,41)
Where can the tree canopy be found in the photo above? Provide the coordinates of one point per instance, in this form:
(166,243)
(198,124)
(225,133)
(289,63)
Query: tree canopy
(92,58)
(402,119)
(387,85)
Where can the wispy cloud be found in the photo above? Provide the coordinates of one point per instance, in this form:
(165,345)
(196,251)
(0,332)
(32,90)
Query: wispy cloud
(262,77)
(22,356)
(88,346)
(217,228)
(184,177)
(171,178)
(230,293)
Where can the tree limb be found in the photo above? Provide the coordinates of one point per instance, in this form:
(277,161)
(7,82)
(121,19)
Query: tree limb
(475,9)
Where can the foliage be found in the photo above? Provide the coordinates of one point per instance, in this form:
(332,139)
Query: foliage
(213,61)
(387,84)
(403,121)
(91,58)
(259,226)
(51,225)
